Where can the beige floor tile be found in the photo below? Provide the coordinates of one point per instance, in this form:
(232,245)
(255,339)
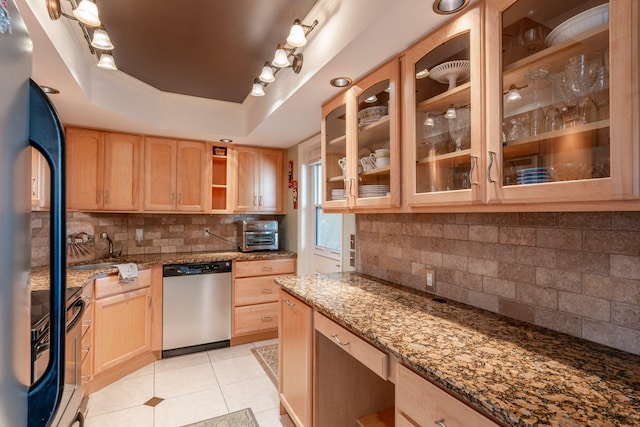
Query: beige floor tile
(138,416)
(230,352)
(238,369)
(186,380)
(179,362)
(259,394)
(125,393)
(146,370)
(265,342)
(190,408)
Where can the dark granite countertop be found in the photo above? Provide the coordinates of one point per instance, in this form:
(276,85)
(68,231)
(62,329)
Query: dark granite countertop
(521,374)
(78,278)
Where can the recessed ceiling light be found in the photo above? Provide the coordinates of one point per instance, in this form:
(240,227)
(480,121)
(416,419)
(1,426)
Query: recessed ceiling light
(446,7)
(341,82)
(47,89)
(226,140)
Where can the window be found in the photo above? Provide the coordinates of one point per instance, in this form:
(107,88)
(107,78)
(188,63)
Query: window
(328,226)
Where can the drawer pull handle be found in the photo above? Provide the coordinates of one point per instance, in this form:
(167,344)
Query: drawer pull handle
(289,303)
(267,318)
(440,423)
(492,156)
(267,291)
(336,339)
(85,379)
(86,349)
(267,268)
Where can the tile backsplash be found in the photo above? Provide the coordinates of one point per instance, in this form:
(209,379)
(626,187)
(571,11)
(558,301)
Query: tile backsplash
(162,233)
(577,273)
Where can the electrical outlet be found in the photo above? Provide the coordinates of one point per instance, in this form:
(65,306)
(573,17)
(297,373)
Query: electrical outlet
(430,282)
(139,234)
(206,232)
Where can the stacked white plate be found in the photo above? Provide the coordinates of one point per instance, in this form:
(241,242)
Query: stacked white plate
(369,190)
(338,194)
(533,176)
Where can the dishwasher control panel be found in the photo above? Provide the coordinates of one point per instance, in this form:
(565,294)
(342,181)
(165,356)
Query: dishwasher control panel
(173,270)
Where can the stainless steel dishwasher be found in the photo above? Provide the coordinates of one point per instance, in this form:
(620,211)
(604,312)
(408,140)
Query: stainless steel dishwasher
(196,307)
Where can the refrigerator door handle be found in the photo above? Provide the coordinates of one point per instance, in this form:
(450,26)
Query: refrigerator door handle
(46,134)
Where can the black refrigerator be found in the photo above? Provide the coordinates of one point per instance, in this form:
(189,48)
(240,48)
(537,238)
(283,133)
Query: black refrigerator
(27,118)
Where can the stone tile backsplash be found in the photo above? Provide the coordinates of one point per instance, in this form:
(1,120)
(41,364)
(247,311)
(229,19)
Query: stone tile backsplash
(163,233)
(577,273)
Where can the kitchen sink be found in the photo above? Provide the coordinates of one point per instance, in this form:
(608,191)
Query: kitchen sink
(94,266)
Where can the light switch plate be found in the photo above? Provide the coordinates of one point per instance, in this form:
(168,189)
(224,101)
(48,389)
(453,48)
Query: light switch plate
(430,280)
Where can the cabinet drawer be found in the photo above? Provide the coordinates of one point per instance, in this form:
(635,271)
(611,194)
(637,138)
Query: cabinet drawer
(423,403)
(112,285)
(361,350)
(267,267)
(254,290)
(255,318)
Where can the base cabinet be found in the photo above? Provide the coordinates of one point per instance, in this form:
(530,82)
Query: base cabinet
(295,383)
(122,328)
(255,298)
(421,403)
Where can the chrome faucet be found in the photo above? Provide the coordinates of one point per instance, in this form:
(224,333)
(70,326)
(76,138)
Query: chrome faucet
(111,254)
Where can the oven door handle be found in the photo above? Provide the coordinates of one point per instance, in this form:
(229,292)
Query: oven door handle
(46,134)
(78,305)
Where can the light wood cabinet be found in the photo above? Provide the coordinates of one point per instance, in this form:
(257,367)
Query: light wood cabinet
(102,170)
(176,175)
(295,359)
(361,144)
(255,298)
(585,144)
(443,121)
(87,351)
(421,403)
(220,179)
(122,320)
(259,180)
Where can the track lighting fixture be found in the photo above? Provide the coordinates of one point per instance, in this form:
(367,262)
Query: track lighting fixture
(285,56)
(513,94)
(86,14)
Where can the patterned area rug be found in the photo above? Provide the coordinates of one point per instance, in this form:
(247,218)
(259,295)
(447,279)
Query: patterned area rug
(268,358)
(241,418)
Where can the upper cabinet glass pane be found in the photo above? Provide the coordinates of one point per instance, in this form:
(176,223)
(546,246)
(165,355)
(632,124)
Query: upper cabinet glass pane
(336,153)
(374,150)
(555,81)
(443,117)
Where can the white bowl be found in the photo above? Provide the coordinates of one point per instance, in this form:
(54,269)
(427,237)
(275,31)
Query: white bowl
(371,114)
(579,24)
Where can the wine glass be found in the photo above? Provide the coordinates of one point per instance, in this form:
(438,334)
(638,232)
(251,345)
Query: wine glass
(581,72)
(459,126)
(537,115)
(600,93)
(567,99)
(435,131)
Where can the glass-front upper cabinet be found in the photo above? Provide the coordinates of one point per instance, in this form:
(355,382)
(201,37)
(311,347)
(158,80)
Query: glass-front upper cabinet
(559,98)
(334,153)
(443,114)
(361,152)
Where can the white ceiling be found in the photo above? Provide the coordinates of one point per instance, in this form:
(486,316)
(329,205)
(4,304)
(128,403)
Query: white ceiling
(352,38)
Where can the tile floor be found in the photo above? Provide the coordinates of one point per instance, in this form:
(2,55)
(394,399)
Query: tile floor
(194,387)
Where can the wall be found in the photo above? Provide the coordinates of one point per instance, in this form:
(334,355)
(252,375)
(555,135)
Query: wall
(577,273)
(289,237)
(163,233)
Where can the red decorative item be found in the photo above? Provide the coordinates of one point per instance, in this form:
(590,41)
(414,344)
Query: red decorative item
(294,185)
(291,174)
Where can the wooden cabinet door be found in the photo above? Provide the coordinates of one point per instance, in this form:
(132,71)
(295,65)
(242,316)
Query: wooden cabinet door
(84,169)
(295,358)
(246,195)
(270,194)
(160,174)
(192,172)
(121,171)
(122,328)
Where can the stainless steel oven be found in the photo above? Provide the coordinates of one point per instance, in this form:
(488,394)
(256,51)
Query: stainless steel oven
(259,236)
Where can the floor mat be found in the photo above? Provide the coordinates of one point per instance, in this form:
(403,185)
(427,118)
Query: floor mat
(268,357)
(241,418)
